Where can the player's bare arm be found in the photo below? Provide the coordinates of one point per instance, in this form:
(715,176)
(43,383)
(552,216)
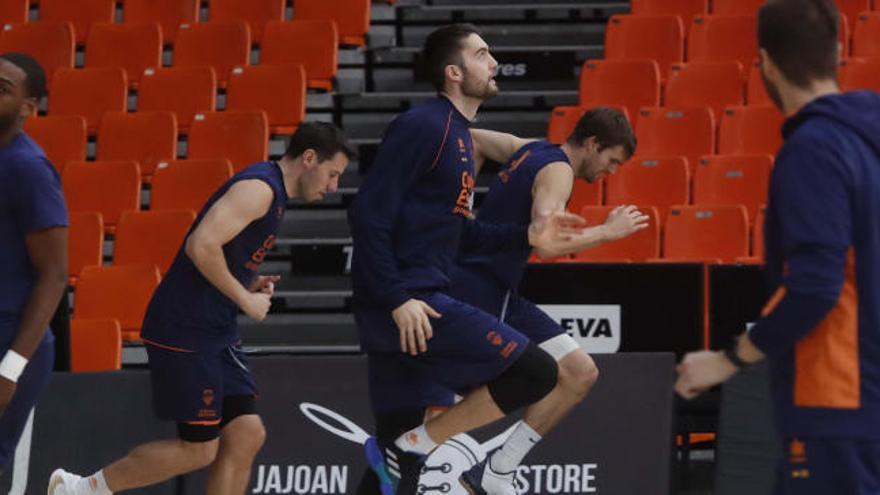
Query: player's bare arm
(495,146)
(550,194)
(243,203)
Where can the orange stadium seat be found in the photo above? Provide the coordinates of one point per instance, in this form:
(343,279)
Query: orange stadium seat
(584,193)
(185,91)
(88,92)
(659,181)
(686,9)
(241,136)
(312,44)
(120,292)
(85,242)
(81,13)
(221,45)
(758,233)
(733,179)
(866,35)
(630,83)
(13,11)
(676,131)
(182,184)
(95,345)
(860,73)
(64,138)
(723,37)
(50,43)
(736,7)
(852,8)
(706,232)
(563,120)
(755,129)
(151,237)
(352,17)
(278,90)
(145,137)
(657,37)
(639,247)
(713,84)
(132,46)
(170,14)
(106,187)
(255,12)
(756,93)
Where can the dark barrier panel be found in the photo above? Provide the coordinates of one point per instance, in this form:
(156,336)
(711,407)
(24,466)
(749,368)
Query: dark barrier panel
(86,420)
(736,296)
(748,446)
(623,428)
(660,306)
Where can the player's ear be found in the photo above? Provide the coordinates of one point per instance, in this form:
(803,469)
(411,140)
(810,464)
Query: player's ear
(310,158)
(454,73)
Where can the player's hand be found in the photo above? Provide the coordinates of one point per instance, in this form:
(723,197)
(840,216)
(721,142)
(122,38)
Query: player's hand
(264,284)
(256,305)
(624,221)
(7,389)
(413,319)
(559,226)
(699,371)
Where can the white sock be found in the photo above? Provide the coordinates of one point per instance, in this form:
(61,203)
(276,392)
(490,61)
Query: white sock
(416,440)
(93,485)
(510,455)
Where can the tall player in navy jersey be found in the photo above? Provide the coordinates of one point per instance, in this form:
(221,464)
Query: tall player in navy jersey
(536,181)
(411,216)
(200,376)
(33,251)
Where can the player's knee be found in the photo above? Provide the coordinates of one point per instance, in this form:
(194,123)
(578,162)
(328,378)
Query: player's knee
(526,381)
(577,374)
(249,434)
(201,454)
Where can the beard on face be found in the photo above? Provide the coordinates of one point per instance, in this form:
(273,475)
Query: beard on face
(772,91)
(8,121)
(475,88)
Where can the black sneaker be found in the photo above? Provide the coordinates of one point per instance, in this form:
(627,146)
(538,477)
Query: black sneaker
(405,468)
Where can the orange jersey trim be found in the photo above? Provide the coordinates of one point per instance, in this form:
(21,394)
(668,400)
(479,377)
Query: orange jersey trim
(827,368)
(204,423)
(166,347)
(442,143)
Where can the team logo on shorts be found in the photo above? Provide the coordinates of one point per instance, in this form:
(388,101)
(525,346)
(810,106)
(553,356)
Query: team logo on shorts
(208,396)
(497,340)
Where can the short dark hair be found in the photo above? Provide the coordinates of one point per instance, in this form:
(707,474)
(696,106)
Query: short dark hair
(610,128)
(801,38)
(35,77)
(443,47)
(325,138)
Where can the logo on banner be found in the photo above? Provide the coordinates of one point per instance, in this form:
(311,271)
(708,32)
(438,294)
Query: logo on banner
(440,474)
(596,327)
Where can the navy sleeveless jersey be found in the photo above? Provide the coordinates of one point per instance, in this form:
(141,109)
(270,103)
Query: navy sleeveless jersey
(186,310)
(510,201)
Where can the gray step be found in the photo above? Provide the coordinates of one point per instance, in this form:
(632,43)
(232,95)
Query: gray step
(300,330)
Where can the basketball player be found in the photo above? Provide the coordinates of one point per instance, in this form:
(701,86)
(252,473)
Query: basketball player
(200,376)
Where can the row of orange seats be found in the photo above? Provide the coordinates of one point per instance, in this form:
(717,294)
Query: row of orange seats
(636,83)
(691,131)
(137,47)
(148,138)
(713,38)
(352,16)
(687,9)
(665,182)
(690,233)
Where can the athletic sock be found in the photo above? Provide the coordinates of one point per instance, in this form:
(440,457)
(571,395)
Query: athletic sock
(93,485)
(518,444)
(416,440)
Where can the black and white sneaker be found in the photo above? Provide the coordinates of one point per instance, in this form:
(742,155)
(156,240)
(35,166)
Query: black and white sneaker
(405,468)
(482,480)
